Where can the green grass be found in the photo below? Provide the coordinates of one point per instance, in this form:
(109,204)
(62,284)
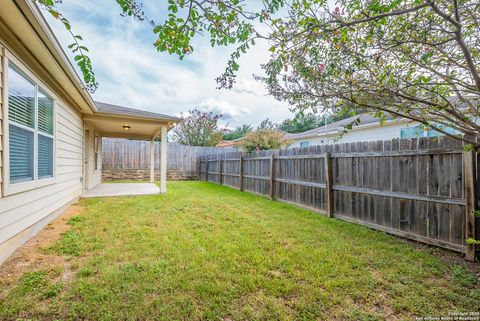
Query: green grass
(206,252)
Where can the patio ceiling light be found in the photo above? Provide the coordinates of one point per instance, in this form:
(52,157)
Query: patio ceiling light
(126,128)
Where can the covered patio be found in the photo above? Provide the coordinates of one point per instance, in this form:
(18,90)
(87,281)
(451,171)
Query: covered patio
(128,123)
(122,189)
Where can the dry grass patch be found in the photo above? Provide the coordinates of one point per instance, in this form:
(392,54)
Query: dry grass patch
(34,255)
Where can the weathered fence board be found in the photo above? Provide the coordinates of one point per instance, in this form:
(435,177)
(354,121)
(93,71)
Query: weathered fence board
(122,155)
(415,188)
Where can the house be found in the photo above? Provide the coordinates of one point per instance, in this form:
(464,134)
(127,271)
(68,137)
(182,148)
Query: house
(366,128)
(231,143)
(51,129)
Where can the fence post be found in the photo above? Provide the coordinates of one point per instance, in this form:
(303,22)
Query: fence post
(199,168)
(220,169)
(241,173)
(470,172)
(272,174)
(328,185)
(206,168)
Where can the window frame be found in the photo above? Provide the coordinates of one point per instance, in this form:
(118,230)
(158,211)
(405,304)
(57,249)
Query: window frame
(19,187)
(307,142)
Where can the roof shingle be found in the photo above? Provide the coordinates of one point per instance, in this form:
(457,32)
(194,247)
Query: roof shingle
(110,109)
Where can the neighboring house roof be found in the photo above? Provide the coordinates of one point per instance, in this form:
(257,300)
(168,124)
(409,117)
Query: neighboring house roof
(230,143)
(110,109)
(337,127)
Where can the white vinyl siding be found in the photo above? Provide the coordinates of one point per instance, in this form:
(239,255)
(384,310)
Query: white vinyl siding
(21,211)
(389,130)
(1,118)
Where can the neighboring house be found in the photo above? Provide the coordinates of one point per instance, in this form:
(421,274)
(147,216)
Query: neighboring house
(368,128)
(50,128)
(231,143)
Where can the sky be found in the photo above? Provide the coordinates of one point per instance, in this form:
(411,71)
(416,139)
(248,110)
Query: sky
(132,73)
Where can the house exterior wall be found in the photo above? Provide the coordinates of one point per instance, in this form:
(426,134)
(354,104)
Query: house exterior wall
(23,214)
(1,116)
(358,134)
(94,175)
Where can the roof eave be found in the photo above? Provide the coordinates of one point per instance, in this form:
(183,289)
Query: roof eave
(40,25)
(172,120)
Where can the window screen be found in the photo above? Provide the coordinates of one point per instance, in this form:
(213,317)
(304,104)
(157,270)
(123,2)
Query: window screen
(31,129)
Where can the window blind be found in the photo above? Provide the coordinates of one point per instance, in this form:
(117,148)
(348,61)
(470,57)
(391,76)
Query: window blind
(31,129)
(45,156)
(21,99)
(21,154)
(45,113)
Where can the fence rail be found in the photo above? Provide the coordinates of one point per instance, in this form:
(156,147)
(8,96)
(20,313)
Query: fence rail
(423,189)
(130,159)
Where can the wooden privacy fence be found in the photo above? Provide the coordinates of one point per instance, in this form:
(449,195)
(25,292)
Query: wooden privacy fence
(122,155)
(422,189)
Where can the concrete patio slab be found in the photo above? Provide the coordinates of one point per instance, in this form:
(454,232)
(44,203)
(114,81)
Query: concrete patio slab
(122,189)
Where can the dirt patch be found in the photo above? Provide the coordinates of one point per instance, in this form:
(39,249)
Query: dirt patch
(451,258)
(31,257)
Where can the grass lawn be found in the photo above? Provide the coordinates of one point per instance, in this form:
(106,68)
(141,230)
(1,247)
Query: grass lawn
(209,252)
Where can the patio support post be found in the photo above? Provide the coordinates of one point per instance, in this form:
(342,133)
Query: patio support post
(163,161)
(152,161)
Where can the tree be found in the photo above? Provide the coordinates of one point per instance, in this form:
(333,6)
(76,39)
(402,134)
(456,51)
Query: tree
(412,59)
(302,122)
(239,132)
(198,129)
(265,137)
(416,59)
(81,58)
(337,115)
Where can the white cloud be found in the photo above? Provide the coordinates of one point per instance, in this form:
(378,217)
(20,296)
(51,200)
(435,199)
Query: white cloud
(250,86)
(132,73)
(225,108)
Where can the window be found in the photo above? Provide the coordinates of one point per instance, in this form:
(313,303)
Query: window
(304,144)
(412,132)
(30,124)
(423,131)
(434,133)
